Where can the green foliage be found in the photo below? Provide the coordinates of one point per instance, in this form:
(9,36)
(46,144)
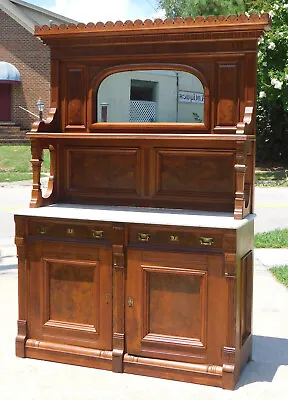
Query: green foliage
(275,239)
(272,106)
(185,8)
(281,274)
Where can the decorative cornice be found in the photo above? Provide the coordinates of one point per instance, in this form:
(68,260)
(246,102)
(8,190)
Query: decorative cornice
(254,21)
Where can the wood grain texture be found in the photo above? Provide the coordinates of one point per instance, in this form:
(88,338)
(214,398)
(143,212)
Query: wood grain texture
(228,94)
(76,102)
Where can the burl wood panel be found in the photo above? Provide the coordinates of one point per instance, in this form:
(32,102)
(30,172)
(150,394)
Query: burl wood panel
(172,296)
(72,292)
(103,171)
(187,172)
(228,94)
(76,97)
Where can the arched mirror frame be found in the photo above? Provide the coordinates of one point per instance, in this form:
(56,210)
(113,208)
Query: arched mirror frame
(163,127)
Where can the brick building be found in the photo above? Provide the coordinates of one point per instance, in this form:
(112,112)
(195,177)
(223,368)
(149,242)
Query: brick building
(24,61)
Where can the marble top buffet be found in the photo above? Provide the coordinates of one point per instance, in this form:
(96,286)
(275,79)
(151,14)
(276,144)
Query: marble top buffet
(139,256)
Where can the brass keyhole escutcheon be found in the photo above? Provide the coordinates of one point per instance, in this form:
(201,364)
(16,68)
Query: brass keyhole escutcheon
(43,230)
(143,237)
(108,297)
(206,241)
(97,234)
(130,301)
(70,231)
(174,238)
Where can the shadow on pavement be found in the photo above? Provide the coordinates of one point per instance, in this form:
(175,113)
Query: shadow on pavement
(8,267)
(269,353)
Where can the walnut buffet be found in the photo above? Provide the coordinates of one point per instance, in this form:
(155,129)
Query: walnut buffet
(139,257)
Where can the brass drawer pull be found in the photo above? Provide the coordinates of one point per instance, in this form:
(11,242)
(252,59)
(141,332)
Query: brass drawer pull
(43,230)
(174,238)
(143,237)
(206,241)
(70,231)
(97,234)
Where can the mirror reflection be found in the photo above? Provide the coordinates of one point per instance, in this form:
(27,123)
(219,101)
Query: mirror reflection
(151,96)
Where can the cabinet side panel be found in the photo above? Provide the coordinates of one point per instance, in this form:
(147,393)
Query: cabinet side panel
(246,296)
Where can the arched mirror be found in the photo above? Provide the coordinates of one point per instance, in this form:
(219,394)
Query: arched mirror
(148,96)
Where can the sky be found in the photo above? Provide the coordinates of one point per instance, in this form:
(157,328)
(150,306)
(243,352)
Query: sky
(102,10)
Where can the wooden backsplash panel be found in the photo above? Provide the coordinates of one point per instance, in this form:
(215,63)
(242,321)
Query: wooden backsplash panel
(103,171)
(182,172)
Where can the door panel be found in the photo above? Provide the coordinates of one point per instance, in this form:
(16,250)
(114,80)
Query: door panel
(5,102)
(73,307)
(171,296)
(168,298)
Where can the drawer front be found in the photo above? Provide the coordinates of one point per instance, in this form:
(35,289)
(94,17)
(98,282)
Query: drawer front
(175,237)
(70,229)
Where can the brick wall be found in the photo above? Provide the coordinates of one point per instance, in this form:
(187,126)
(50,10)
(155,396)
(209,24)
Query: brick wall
(32,59)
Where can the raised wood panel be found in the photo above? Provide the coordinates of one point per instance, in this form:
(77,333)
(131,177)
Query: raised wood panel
(71,293)
(103,172)
(228,95)
(186,173)
(76,97)
(246,296)
(174,294)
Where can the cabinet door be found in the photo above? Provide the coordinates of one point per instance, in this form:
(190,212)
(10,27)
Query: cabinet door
(174,306)
(70,294)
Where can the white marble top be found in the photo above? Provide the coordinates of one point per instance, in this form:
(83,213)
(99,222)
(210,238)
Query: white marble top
(139,215)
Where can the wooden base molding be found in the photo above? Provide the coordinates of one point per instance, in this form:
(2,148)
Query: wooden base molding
(66,354)
(225,376)
(21,338)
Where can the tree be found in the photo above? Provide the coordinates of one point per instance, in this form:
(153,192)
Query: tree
(272,103)
(185,8)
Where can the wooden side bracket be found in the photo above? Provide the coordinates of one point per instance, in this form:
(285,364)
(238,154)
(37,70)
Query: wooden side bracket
(50,124)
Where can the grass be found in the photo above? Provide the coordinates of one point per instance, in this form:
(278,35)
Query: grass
(15,163)
(271,177)
(275,239)
(281,274)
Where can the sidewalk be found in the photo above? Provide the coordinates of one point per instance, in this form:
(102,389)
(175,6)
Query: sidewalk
(264,378)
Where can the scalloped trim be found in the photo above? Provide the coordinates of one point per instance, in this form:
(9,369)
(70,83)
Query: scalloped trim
(158,23)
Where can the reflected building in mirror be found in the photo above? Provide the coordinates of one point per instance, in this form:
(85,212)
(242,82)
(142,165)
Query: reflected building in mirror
(151,96)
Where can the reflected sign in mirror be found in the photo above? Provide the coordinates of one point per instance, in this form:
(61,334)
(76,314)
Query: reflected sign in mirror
(149,96)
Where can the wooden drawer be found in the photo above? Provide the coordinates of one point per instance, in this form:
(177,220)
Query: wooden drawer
(69,229)
(175,237)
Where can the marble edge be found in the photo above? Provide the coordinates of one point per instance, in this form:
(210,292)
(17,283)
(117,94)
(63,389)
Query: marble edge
(137,215)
